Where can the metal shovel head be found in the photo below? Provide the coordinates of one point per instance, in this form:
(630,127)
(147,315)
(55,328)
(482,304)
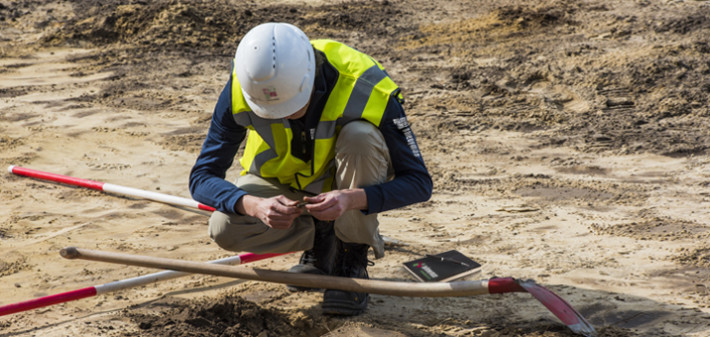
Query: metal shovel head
(560,308)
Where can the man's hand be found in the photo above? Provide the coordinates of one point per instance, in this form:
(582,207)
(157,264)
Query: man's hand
(276,212)
(331,205)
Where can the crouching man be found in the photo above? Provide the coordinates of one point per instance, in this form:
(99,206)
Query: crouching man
(328,146)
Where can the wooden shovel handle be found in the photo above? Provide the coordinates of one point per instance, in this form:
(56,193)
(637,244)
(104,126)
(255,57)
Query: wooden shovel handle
(394,288)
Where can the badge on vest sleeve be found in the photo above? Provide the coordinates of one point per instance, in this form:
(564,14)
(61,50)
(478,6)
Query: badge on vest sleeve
(403,125)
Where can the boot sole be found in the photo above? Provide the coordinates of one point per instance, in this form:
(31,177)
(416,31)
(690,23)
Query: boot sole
(343,307)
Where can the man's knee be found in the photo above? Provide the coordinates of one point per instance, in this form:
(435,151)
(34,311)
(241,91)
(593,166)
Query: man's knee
(218,231)
(223,233)
(360,137)
(361,156)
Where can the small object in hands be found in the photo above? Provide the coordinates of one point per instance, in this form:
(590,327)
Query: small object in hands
(301,204)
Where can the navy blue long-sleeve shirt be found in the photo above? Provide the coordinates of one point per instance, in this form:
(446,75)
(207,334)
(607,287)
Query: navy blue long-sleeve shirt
(411,184)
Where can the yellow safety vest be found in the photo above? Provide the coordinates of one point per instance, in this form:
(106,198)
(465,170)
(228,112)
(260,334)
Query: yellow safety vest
(361,92)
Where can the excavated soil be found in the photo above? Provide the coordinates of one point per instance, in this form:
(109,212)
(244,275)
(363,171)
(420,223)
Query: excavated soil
(568,142)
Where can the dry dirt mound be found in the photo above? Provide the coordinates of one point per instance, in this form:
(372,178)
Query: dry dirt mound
(224,316)
(631,82)
(213,28)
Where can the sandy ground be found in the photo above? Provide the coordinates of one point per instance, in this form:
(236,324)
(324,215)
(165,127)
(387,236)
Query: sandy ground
(567,140)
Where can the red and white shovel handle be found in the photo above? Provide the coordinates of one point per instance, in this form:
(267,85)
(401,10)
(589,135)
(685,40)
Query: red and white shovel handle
(119,285)
(109,188)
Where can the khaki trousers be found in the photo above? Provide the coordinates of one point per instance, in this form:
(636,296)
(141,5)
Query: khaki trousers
(361,159)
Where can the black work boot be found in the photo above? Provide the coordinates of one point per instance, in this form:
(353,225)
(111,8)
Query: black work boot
(319,259)
(350,261)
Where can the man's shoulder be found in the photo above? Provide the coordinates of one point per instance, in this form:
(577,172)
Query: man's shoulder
(332,47)
(324,42)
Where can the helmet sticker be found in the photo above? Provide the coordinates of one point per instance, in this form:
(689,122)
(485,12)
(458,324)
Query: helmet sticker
(270,94)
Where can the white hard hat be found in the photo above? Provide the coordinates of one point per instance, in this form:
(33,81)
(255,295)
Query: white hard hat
(275,66)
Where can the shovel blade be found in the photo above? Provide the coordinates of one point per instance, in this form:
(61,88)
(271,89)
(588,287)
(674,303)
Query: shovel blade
(560,308)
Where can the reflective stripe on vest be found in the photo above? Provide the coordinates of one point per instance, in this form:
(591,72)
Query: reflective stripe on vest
(362,91)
